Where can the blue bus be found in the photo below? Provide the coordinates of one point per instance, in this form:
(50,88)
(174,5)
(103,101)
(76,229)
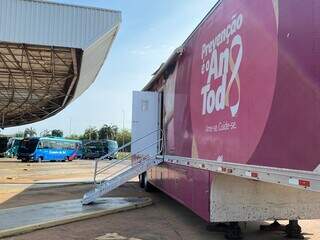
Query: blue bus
(49,149)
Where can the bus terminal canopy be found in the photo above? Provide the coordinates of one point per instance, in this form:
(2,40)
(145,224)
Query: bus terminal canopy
(49,55)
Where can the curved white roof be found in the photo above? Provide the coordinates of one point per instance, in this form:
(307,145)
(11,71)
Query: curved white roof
(52,24)
(32,26)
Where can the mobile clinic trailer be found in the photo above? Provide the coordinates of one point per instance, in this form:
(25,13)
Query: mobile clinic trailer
(243,94)
(237,107)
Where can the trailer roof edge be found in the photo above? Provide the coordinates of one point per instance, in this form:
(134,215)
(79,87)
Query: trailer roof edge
(173,56)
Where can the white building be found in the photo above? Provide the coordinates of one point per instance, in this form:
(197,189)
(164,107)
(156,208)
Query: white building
(49,55)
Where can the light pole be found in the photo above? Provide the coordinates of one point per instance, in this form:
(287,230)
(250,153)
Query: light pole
(123,115)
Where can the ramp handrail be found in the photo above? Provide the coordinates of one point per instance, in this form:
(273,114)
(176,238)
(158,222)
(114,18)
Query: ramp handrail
(115,162)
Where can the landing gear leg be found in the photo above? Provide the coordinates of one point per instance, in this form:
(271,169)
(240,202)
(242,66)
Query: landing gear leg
(233,231)
(143,183)
(217,227)
(275,226)
(293,230)
(141,179)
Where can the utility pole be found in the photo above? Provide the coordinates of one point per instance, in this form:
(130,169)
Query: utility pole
(70,126)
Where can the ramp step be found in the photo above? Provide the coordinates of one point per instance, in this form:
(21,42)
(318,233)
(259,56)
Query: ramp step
(110,184)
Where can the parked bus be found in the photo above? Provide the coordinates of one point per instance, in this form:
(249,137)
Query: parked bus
(92,150)
(49,149)
(3,145)
(12,147)
(96,149)
(111,147)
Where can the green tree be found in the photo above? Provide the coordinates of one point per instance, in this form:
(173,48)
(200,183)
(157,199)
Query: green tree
(108,132)
(114,131)
(123,137)
(91,133)
(45,133)
(75,137)
(57,133)
(19,134)
(29,132)
(104,132)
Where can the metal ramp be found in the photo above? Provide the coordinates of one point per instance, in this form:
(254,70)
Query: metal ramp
(110,174)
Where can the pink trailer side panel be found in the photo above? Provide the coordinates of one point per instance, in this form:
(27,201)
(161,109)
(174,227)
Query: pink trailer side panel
(233,80)
(291,137)
(245,90)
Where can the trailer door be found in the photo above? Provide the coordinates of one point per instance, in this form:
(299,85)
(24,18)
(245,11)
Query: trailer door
(145,123)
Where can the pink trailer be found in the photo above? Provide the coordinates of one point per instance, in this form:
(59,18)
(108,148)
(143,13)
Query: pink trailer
(239,106)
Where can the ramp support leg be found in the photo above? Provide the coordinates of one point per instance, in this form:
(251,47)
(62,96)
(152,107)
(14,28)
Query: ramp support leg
(293,230)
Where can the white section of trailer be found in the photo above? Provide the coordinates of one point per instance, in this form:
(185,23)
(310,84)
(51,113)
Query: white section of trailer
(51,24)
(235,199)
(287,177)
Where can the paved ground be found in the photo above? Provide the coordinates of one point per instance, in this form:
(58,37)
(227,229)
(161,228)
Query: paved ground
(165,219)
(25,219)
(13,171)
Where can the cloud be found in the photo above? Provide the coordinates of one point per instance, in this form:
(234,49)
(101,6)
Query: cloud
(147,49)
(138,52)
(167,47)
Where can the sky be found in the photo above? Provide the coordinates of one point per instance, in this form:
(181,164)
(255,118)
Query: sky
(149,32)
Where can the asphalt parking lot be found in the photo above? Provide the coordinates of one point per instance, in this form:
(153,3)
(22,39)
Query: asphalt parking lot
(164,219)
